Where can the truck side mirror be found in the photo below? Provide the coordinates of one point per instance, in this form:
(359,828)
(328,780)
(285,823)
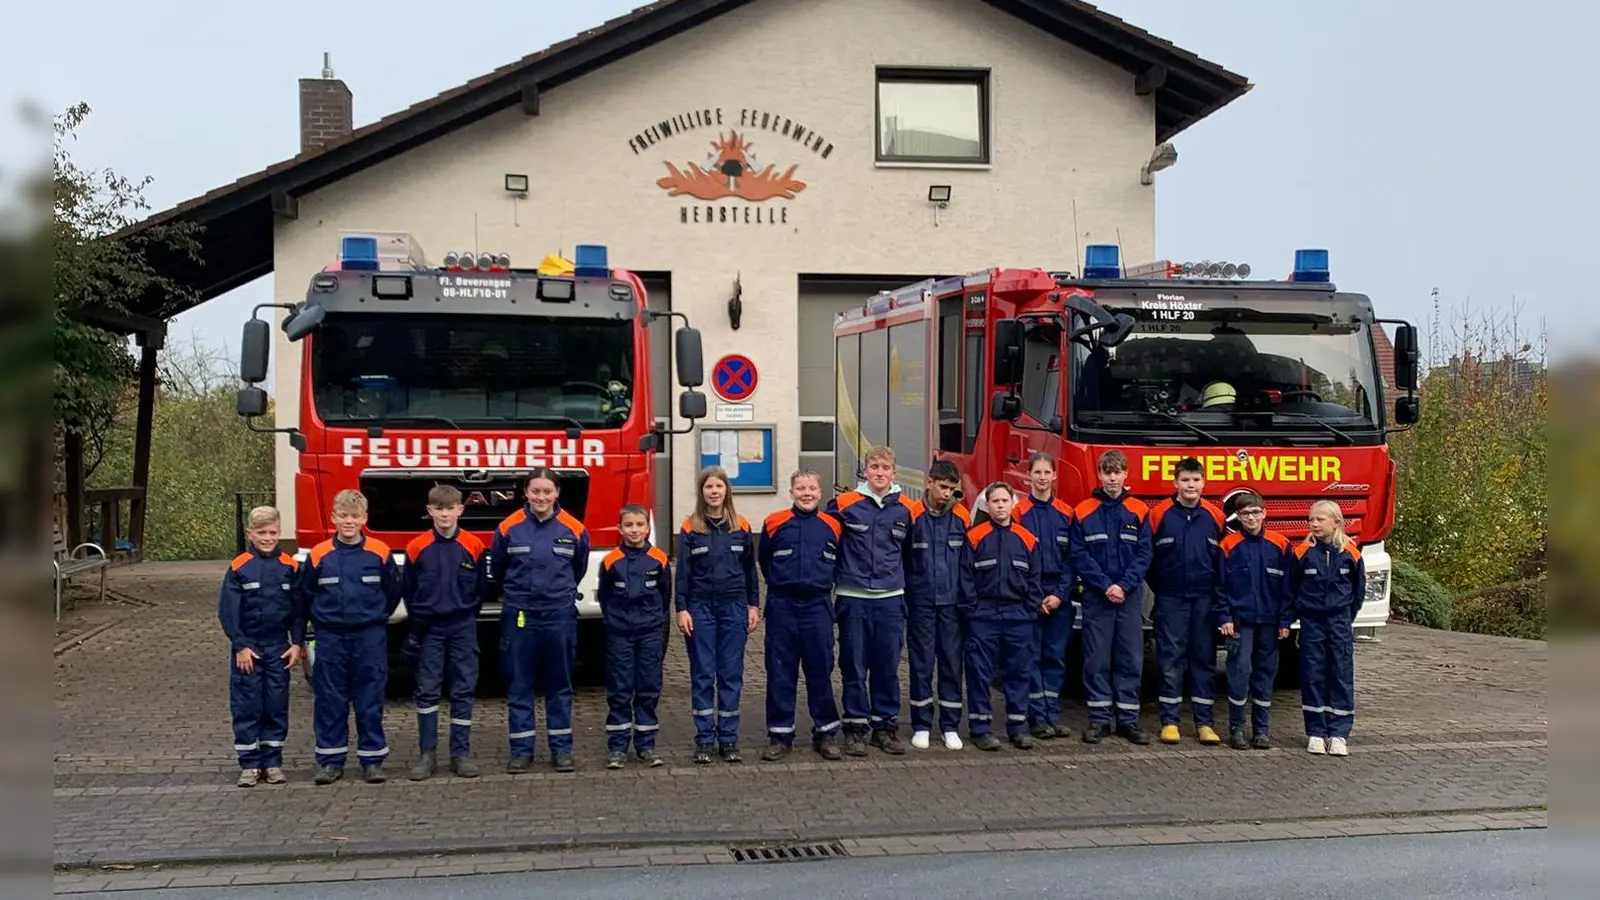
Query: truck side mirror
(303,321)
(253,350)
(1008,335)
(691,362)
(1406,358)
(252,400)
(692,405)
(1407,411)
(1005,407)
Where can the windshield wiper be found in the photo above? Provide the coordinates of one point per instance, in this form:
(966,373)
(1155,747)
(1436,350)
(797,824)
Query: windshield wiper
(1102,416)
(1316,421)
(572,425)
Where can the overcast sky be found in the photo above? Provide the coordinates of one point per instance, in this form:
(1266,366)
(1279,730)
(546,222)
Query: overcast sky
(1425,144)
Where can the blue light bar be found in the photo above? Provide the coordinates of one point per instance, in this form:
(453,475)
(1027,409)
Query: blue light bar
(359,253)
(1310,265)
(1101,261)
(589,261)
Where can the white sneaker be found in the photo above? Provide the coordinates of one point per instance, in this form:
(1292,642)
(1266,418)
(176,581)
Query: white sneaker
(952,741)
(1338,747)
(1317,746)
(919,740)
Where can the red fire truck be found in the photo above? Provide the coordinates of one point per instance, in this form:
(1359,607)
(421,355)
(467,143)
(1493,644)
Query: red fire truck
(1275,386)
(471,374)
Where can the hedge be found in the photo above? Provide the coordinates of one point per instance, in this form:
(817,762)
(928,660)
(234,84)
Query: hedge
(1416,597)
(1516,609)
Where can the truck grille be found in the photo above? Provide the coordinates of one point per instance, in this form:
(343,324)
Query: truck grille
(398,501)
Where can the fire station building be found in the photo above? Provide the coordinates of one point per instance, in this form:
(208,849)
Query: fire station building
(763,164)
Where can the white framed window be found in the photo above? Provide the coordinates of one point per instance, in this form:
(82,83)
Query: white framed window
(929,115)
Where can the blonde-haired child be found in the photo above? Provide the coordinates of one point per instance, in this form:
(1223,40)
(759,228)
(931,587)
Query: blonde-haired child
(1330,583)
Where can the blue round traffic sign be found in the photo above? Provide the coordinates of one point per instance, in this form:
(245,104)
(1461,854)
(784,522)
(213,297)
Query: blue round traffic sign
(734,378)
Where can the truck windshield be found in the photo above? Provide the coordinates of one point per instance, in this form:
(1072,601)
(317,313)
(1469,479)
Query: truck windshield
(472,371)
(1208,366)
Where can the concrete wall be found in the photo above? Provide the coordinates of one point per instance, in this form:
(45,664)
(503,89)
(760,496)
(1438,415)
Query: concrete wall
(1065,127)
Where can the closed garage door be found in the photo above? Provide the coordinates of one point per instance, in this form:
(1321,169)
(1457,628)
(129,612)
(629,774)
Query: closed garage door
(821,298)
(658,290)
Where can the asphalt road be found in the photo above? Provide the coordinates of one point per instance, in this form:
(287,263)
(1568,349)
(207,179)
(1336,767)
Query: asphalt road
(1459,866)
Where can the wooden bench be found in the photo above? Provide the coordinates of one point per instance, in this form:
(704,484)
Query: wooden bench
(70,564)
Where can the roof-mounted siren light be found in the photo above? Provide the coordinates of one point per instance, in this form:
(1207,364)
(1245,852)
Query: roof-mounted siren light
(358,253)
(589,261)
(452,260)
(1310,265)
(486,261)
(1102,261)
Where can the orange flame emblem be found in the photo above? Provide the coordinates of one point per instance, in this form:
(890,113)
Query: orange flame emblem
(731,171)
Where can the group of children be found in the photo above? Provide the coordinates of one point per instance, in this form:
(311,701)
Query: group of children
(873,570)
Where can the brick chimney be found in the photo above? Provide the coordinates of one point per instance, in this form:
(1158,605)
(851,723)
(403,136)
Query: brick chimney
(326,115)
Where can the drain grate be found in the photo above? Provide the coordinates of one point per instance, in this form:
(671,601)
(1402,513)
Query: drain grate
(772,853)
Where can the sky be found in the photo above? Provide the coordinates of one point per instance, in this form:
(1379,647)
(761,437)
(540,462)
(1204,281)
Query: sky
(1424,144)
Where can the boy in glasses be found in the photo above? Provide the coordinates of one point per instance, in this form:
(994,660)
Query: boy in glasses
(1253,615)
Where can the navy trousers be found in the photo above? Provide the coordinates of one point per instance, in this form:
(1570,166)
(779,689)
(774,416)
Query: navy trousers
(448,654)
(350,670)
(1185,649)
(934,637)
(259,704)
(716,669)
(1004,634)
(871,633)
(799,636)
(1327,674)
(1252,669)
(633,687)
(1113,658)
(1050,672)
(538,650)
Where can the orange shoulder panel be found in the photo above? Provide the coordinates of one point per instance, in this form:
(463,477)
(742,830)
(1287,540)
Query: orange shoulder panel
(1085,509)
(379,547)
(978,533)
(288,560)
(1021,507)
(239,561)
(1300,549)
(1350,548)
(512,521)
(744,524)
(659,555)
(1028,540)
(1157,514)
(775,521)
(612,558)
(833,525)
(1137,507)
(471,542)
(418,544)
(319,551)
(688,524)
(1231,541)
(1061,507)
(1216,513)
(571,521)
(915,507)
(850,498)
(963,514)
(1278,540)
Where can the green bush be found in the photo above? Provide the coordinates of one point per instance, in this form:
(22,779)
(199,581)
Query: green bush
(1417,598)
(1514,610)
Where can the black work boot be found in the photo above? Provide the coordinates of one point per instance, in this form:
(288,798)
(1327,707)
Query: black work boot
(1262,741)
(829,750)
(328,774)
(1135,733)
(518,765)
(1061,730)
(986,742)
(426,765)
(776,751)
(649,758)
(1236,739)
(1096,732)
(855,744)
(464,767)
(616,760)
(888,742)
(1022,742)
(702,756)
(373,774)
(562,762)
(1044,731)
(730,753)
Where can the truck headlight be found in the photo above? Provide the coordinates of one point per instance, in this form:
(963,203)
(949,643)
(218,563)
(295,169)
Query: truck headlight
(1377,586)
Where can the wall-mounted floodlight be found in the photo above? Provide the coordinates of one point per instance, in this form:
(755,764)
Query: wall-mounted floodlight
(516,184)
(940,194)
(1161,158)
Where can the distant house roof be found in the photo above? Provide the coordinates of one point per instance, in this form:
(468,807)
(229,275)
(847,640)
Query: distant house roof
(1384,349)
(238,218)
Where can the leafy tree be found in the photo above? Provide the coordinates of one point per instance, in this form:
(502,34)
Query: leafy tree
(98,262)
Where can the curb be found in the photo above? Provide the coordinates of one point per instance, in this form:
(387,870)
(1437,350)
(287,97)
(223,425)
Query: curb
(324,853)
(73,643)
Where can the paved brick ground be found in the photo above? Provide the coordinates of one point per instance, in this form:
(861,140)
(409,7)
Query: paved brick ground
(143,765)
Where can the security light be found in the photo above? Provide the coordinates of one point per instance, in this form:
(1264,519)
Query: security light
(939,193)
(1161,158)
(516,184)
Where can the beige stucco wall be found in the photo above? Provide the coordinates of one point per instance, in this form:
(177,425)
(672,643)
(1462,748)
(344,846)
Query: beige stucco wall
(1065,127)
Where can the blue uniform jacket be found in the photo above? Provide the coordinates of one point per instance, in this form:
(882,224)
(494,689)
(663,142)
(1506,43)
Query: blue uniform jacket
(539,564)
(1186,543)
(799,553)
(1253,580)
(1051,522)
(349,587)
(1111,544)
(1328,582)
(260,601)
(875,546)
(934,574)
(635,589)
(1000,564)
(444,577)
(719,566)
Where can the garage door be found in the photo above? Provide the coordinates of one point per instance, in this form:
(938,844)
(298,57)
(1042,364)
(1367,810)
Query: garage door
(822,297)
(658,290)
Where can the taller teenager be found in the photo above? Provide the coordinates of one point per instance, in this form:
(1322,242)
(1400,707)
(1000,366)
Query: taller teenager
(874,548)
(1188,533)
(1049,519)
